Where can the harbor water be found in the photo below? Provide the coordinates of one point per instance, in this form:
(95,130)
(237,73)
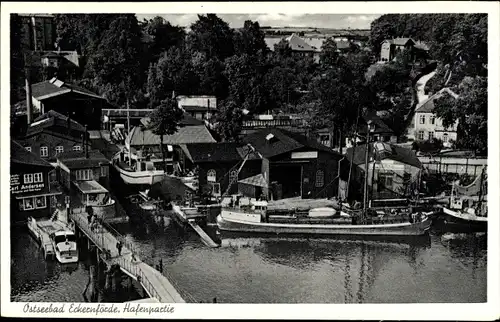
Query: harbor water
(439,269)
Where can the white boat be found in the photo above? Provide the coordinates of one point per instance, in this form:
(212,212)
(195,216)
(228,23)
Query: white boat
(138,172)
(56,237)
(64,244)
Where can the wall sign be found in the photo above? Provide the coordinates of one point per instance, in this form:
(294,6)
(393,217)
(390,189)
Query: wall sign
(16,186)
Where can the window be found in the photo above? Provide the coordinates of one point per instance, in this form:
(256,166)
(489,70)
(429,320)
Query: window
(320,178)
(445,137)
(44,151)
(59,149)
(432,119)
(103,171)
(211,175)
(40,202)
(28,204)
(385,179)
(421,135)
(422,119)
(28,148)
(28,178)
(37,177)
(233,176)
(85,174)
(77,148)
(431,135)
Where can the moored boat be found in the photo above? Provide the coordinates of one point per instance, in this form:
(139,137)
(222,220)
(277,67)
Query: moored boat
(467,210)
(258,221)
(56,237)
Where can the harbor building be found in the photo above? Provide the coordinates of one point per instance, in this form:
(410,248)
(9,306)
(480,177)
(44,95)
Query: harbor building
(53,133)
(294,165)
(217,164)
(143,144)
(392,171)
(34,190)
(201,107)
(80,104)
(85,176)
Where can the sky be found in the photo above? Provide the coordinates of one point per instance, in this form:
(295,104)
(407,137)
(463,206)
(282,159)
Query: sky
(336,21)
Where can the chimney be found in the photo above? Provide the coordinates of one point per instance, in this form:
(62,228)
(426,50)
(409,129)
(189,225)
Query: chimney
(29,102)
(86,143)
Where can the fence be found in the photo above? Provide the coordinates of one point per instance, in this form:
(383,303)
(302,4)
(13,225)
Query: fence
(135,269)
(471,166)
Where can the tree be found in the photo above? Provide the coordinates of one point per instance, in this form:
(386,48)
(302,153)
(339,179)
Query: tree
(470,109)
(114,70)
(250,39)
(329,54)
(229,120)
(174,72)
(211,36)
(165,120)
(17,51)
(164,36)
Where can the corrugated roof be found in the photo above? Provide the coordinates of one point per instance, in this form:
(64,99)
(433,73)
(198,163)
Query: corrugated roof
(213,152)
(185,135)
(282,141)
(55,87)
(78,160)
(19,155)
(399,154)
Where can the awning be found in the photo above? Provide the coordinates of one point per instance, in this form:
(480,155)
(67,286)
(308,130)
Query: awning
(92,186)
(185,150)
(257,181)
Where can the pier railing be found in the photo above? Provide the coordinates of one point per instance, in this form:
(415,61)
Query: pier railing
(131,266)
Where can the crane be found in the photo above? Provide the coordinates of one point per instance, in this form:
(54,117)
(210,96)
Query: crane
(251,149)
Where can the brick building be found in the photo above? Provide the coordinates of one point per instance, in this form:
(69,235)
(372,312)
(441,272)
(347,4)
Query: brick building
(34,190)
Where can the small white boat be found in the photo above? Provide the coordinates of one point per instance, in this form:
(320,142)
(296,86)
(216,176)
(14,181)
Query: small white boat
(64,244)
(56,238)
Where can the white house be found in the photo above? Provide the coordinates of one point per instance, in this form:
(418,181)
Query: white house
(201,107)
(426,125)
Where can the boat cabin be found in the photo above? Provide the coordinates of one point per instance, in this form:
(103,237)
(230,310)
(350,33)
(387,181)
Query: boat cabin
(91,193)
(63,236)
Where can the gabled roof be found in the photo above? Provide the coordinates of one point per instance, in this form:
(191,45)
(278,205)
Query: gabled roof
(185,135)
(216,152)
(427,106)
(78,159)
(385,151)
(271,142)
(53,118)
(55,87)
(298,44)
(19,155)
(400,41)
(380,126)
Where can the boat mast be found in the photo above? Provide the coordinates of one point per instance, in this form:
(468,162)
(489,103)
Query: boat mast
(128,133)
(478,207)
(367,152)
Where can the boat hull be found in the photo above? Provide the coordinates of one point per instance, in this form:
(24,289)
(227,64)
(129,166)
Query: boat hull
(453,221)
(140,177)
(402,229)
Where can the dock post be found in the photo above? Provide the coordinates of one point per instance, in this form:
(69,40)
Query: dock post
(109,281)
(93,284)
(117,279)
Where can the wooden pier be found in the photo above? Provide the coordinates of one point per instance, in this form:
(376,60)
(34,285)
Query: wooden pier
(190,220)
(156,285)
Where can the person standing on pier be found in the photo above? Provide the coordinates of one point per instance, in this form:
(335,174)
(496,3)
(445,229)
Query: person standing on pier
(119,247)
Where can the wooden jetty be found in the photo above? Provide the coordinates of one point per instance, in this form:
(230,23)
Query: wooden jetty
(156,285)
(189,219)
